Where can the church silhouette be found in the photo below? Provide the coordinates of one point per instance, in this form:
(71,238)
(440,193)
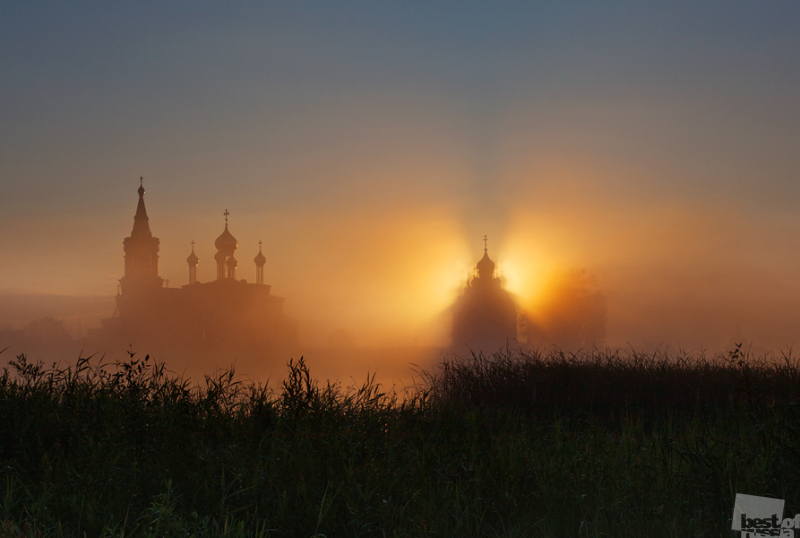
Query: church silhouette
(484,317)
(225,314)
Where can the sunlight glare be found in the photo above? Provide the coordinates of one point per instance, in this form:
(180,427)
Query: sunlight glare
(523,270)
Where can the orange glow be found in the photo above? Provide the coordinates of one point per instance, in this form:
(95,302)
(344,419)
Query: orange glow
(387,279)
(523,272)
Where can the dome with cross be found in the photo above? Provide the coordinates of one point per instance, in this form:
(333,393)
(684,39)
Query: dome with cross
(226,243)
(485,265)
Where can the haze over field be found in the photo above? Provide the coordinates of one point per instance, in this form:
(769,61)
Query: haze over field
(371,147)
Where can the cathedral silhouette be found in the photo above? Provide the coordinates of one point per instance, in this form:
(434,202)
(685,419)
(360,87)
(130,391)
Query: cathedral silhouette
(484,317)
(225,314)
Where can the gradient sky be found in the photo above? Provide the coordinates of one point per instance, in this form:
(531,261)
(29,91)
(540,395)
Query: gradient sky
(371,145)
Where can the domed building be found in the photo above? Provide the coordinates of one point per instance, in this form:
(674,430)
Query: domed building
(227,313)
(484,317)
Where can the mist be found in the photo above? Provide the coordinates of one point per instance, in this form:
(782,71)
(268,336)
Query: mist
(371,282)
(365,283)
(635,174)
(371,285)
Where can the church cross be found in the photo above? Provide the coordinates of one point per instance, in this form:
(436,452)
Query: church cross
(192,245)
(226,216)
(259,245)
(485,243)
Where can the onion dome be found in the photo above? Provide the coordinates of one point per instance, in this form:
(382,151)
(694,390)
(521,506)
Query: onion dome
(260,259)
(226,242)
(192,260)
(486,266)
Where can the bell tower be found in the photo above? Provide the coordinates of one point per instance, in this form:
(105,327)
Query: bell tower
(141,253)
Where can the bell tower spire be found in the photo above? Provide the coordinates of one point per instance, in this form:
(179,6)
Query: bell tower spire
(141,224)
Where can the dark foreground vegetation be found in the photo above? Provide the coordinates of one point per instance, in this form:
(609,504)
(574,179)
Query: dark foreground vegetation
(594,444)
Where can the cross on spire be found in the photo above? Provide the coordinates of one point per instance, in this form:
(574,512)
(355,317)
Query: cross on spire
(192,245)
(141,181)
(485,244)
(259,245)
(226,216)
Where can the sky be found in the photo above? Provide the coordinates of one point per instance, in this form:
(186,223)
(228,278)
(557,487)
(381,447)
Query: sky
(371,145)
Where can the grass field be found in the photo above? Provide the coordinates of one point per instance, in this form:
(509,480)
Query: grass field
(516,444)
